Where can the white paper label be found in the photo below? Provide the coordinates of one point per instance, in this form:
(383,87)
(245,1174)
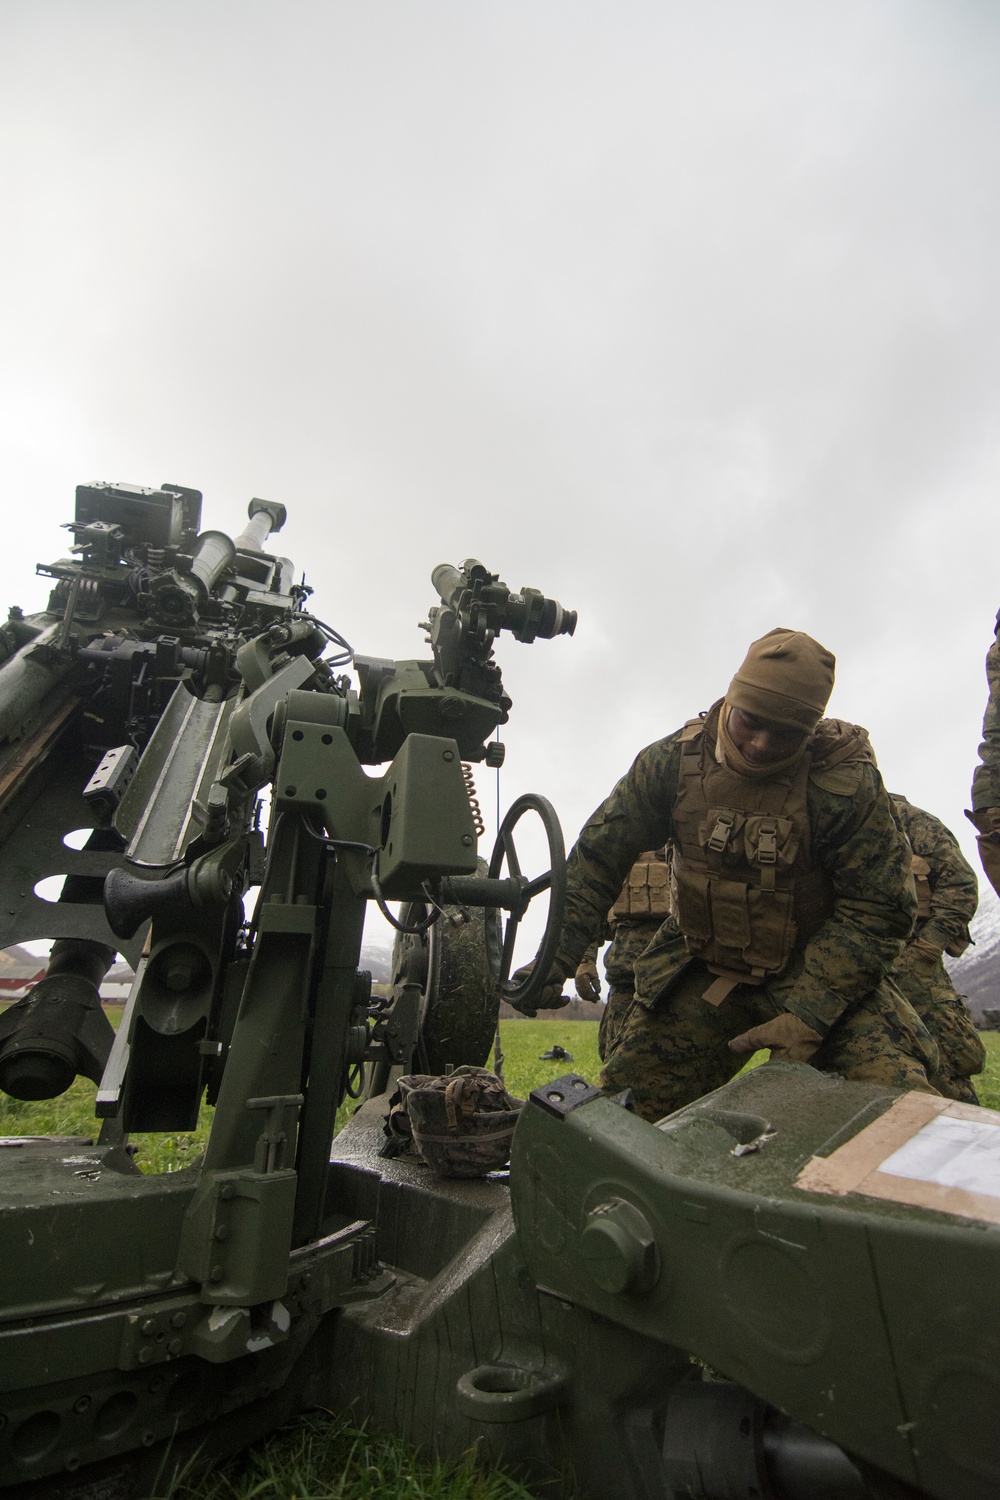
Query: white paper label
(953,1153)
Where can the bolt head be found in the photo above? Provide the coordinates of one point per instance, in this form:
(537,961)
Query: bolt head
(619,1249)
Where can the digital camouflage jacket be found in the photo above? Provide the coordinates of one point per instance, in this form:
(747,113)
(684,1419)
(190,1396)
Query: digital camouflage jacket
(854,837)
(954,889)
(986,780)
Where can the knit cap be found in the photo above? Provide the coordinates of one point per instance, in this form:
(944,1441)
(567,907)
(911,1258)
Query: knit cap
(787,678)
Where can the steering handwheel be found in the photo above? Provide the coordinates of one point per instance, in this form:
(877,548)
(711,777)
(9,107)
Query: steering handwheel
(500,955)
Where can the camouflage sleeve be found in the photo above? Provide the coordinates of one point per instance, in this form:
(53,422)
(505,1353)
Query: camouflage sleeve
(589,956)
(637,816)
(986,780)
(858,843)
(954,887)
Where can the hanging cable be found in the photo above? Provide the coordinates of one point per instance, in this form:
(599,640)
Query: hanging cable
(346,652)
(335,844)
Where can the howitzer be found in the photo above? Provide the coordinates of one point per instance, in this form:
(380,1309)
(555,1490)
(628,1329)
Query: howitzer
(563,1321)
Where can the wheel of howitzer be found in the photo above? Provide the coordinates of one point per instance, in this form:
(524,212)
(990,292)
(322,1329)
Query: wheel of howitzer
(460,1002)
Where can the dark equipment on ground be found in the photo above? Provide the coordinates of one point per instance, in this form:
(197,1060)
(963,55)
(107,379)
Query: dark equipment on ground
(563,1322)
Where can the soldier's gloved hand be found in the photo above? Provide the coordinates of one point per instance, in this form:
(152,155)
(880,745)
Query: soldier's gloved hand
(789,1039)
(987,821)
(551,997)
(588,981)
(929,952)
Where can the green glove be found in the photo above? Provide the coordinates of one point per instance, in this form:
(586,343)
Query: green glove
(588,981)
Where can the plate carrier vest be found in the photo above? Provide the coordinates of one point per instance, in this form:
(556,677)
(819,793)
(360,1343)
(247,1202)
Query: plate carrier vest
(744,889)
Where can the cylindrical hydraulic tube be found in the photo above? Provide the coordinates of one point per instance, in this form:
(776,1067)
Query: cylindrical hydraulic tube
(265,516)
(214,553)
(721,1442)
(801,1465)
(59,1029)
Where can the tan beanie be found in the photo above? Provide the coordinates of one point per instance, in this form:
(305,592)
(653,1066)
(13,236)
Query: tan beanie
(787,678)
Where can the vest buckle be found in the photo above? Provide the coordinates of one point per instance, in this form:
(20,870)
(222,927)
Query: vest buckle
(767,844)
(719,837)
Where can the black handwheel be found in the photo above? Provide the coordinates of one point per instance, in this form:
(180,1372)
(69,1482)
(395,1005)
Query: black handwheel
(554,881)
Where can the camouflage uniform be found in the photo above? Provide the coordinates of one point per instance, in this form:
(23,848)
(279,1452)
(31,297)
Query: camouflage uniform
(631,932)
(673,1043)
(947,896)
(985,812)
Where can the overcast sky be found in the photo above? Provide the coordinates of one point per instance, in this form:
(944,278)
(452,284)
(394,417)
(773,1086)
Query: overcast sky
(686,314)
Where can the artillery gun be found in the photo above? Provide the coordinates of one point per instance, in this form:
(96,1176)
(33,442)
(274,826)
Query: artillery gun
(751,1299)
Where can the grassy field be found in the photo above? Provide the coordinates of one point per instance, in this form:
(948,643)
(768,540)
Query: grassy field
(73,1112)
(321,1457)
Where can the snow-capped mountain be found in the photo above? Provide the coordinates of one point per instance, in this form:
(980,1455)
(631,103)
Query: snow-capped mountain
(976,975)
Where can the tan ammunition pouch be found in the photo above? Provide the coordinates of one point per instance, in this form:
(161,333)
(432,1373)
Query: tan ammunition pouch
(921,879)
(744,889)
(646,892)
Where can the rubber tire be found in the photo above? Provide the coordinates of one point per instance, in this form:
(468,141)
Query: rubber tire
(461,1003)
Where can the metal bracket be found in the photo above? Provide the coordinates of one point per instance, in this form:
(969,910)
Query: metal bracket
(564,1094)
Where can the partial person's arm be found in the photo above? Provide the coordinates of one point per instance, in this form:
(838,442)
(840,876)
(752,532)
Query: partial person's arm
(857,841)
(954,887)
(635,817)
(985,814)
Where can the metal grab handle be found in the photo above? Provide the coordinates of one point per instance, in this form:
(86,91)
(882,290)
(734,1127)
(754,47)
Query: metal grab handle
(477,890)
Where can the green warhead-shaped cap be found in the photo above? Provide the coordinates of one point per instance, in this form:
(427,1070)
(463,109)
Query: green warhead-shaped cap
(787,678)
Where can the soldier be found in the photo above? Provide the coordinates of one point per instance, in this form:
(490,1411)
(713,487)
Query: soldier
(947,896)
(985,812)
(790,891)
(641,906)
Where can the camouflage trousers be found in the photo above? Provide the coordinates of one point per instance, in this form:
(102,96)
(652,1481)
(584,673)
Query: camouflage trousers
(676,1051)
(929,989)
(619,1003)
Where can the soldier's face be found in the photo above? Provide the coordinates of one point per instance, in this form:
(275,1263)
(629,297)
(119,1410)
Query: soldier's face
(761,742)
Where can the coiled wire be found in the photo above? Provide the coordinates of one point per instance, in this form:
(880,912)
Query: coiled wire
(470,792)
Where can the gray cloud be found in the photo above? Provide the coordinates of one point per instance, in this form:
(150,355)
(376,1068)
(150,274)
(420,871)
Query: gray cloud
(685,314)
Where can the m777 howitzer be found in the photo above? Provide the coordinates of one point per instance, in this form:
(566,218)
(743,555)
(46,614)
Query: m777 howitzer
(794,1232)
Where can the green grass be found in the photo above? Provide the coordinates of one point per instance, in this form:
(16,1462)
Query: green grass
(323,1457)
(73,1112)
(988,1082)
(523,1041)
